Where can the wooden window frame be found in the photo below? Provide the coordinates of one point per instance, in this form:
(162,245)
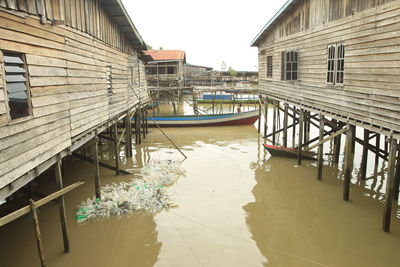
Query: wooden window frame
(285,62)
(110,90)
(335,60)
(27,85)
(269,66)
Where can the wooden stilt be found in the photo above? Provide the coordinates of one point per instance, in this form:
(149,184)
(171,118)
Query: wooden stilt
(139,126)
(147,122)
(397,176)
(301,130)
(364,159)
(274,122)
(266,117)
(37,234)
(128,136)
(143,123)
(348,164)
(61,205)
(285,125)
(377,145)
(116,150)
(294,127)
(259,115)
(390,185)
(320,148)
(97,168)
(307,125)
(336,145)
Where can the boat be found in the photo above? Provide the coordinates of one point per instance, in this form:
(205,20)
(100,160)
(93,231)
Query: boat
(280,151)
(244,118)
(228,99)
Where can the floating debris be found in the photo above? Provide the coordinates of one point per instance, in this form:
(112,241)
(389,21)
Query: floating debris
(148,193)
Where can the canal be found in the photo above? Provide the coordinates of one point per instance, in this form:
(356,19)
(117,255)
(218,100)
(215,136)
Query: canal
(237,206)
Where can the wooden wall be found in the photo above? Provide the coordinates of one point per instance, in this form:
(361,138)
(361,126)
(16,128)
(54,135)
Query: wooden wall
(85,15)
(371,91)
(67,76)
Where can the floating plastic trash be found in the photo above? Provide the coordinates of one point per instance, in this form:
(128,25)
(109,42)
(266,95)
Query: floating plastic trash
(148,193)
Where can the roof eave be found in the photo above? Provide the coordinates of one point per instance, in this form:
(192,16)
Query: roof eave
(272,21)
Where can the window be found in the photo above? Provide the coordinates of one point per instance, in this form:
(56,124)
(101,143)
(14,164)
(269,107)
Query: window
(171,70)
(335,64)
(17,87)
(289,65)
(269,66)
(109,81)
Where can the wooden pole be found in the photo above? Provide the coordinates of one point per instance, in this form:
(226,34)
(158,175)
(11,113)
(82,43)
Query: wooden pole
(266,117)
(37,233)
(321,147)
(397,176)
(294,127)
(97,168)
(61,205)
(139,126)
(128,135)
(285,125)
(116,152)
(348,164)
(390,185)
(147,122)
(274,123)
(259,114)
(301,130)
(143,122)
(364,159)
(377,145)
(336,145)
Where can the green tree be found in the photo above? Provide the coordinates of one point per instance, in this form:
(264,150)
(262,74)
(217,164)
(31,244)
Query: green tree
(232,71)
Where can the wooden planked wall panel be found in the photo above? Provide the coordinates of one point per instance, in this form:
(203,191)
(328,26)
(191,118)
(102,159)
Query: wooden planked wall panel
(370,92)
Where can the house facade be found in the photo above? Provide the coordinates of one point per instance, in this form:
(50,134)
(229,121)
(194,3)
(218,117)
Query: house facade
(68,70)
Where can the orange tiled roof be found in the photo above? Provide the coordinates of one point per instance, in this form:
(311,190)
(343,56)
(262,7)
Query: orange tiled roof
(166,54)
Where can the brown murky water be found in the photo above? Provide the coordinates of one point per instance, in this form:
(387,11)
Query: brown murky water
(237,207)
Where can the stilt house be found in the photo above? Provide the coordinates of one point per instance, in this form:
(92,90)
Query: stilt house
(337,57)
(68,70)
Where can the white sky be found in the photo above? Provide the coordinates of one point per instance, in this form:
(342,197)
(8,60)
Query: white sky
(210,31)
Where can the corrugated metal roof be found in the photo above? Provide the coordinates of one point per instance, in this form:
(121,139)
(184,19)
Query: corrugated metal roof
(160,55)
(272,21)
(117,12)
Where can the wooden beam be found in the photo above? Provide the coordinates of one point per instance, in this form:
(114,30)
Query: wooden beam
(387,214)
(301,130)
(116,150)
(364,159)
(348,164)
(327,139)
(266,117)
(320,148)
(22,211)
(274,122)
(37,233)
(285,125)
(61,205)
(97,168)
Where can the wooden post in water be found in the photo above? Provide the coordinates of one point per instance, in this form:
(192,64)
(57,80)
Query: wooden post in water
(321,147)
(143,122)
(285,125)
(274,123)
(266,117)
(390,185)
(294,127)
(37,234)
(213,102)
(336,145)
(97,168)
(128,135)
(364,159)
(147,121)
(301,130)
(377,145)
(259,114)
(348,164)
(116,150)
(61,205)
(397,176)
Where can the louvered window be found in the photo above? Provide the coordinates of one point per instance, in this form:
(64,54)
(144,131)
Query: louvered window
(17,87)
(109,81)
(290,62)
(335,64)
(269,66)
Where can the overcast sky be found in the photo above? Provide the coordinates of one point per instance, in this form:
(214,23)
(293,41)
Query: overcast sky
(210,31)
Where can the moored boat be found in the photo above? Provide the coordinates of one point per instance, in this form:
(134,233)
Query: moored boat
(245,118)
(280,151)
